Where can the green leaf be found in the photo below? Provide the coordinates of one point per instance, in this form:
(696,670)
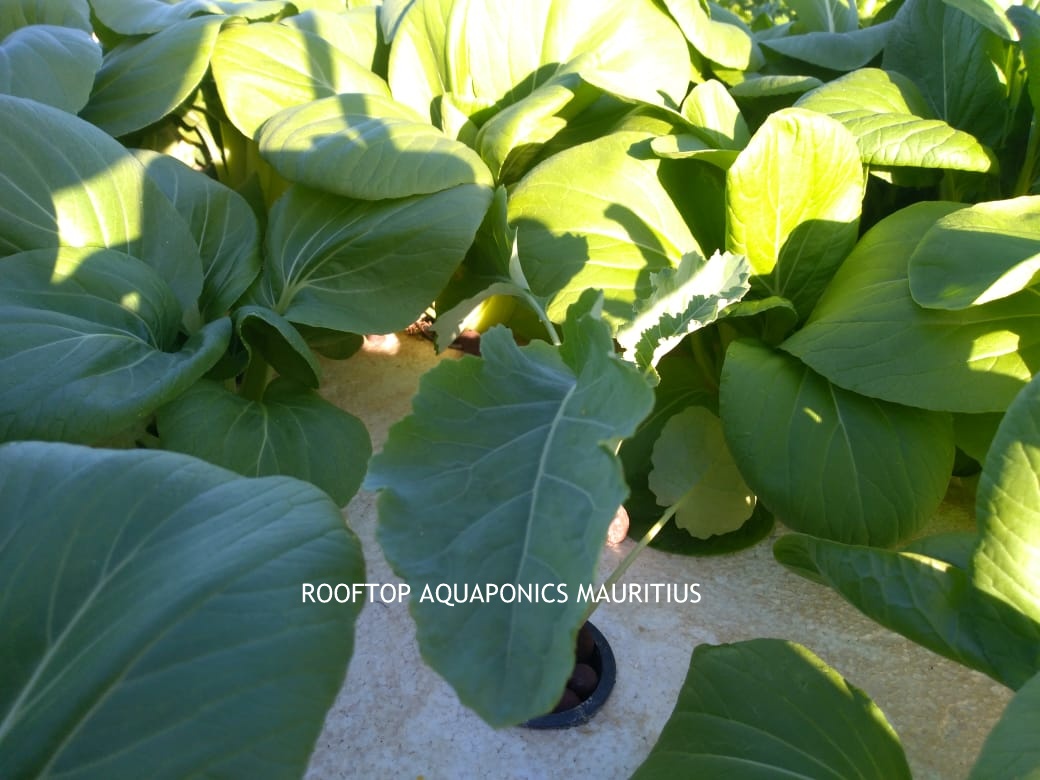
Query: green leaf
(366,267)
(89,344)
(793,204)
(143,80)
(66,183)
(950,58)
(710,108)
(992,14)
(756,86)
(685,146)
(834,50)
(222,224)
(1027,23)
(278,343)
(833,16)
(16,14)
(261,69)
(620,224)
(829,462)
(926,600)
(768,320)
(892,123)
(694,469)
(417,65)
(368,147)
(1007,561)
(505,473)
(488,55)
(510,139)
(978,254)
(152,606)
(752,710)
(142,17)
(355,32)
(49,64)
(868,335)
(729,45)
(682,300)
(1011,749)
(292,431)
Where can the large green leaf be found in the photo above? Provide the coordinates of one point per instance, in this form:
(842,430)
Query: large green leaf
(88,344)
(514,136)
(731,45)
(263,68)
(153,617)
(15,14)
(710,108)
(793,203)
(143,80)
(694,469)
(269,337)
(829,462)
(950,57)
(753,710)
(833,16)
(487,54)
(1027,23)
(1011,749)
(892,123)
(366,266)
(66,183)
(355,32)
(367,146)
(1007,561)
(141,17)
(619,226)
(835,50)
(991,14)
(926,600)
(50,64)
(222,223)
(978,254)
(505,474)
(292,431)
(868,335)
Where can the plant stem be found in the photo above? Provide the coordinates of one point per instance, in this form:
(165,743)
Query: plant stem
(543,317)
(254,381)
(629,559)
(1025,175)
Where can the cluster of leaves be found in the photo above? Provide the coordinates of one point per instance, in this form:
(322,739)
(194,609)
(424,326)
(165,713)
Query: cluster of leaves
(797,289)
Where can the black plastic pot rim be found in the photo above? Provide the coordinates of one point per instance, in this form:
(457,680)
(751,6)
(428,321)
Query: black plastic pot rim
(577,716)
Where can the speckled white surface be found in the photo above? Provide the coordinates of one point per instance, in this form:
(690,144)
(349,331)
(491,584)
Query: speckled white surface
(395,718)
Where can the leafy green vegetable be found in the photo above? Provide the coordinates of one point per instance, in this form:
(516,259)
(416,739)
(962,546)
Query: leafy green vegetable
(66,183)
(693,468)
(366,266)
(366,146)
(978,254)
(50,64)
(1007,560)
(88,344)
(752,709)
(892,123)
(868,335)
(620,225)
(151,601)
(131,92)
(1009,750)
(504,473)
(292,431)
(829,462)
(222,224)
(926,600)
(793,204)
(263,68)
